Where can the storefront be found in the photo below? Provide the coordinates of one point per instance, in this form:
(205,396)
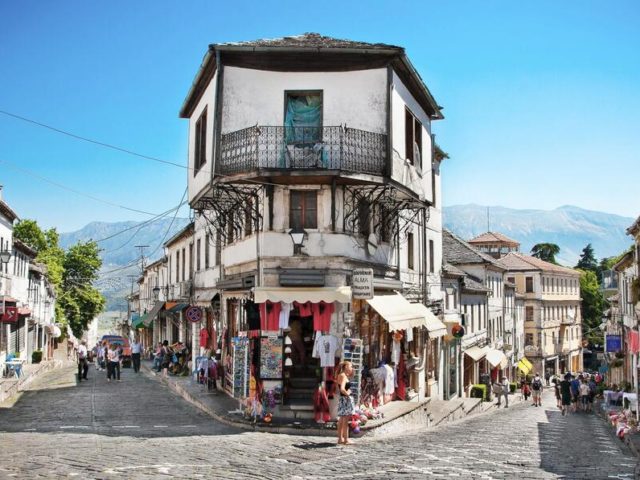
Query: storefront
(475,366)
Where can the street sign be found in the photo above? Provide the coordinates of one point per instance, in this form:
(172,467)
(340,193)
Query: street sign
(362,283)
(194,314)
(613,343)
(10,315)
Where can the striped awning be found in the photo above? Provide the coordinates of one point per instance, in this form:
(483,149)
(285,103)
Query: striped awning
(151,316)
(524,365)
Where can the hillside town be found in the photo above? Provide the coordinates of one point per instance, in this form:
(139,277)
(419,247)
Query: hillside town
(316,268)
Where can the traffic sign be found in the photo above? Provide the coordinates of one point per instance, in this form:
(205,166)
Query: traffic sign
(194,314)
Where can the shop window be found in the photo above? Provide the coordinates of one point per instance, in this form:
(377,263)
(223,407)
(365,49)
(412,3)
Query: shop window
(529,314)
(410,251)
(413,139)
(303,209)
(200,147)
(529,285)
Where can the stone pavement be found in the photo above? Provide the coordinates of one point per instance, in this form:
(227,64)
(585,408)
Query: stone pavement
(139,429)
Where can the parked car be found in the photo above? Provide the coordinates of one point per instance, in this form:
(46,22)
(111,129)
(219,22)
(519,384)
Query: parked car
(121,342)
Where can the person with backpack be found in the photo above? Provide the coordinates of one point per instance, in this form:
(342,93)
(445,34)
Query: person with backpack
(536,390)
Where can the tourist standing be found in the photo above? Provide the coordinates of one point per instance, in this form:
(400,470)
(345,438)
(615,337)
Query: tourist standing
(136,350)
(505,391)
(114,363)
(83,365)
(345,402)
(584,396)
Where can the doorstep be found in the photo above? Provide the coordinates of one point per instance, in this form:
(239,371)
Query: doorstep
(398,416)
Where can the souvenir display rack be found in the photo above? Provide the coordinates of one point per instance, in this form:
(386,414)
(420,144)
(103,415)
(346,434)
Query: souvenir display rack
(352,351)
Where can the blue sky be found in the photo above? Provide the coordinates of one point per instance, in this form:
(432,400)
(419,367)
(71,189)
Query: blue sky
(541,100)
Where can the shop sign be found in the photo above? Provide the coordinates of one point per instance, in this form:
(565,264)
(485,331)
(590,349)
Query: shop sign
(362,283)
(613,343)
(10,314)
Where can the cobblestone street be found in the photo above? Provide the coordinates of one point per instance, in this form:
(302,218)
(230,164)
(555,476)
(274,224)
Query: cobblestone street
(139,429)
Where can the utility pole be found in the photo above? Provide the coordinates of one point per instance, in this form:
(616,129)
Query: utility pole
(141,248)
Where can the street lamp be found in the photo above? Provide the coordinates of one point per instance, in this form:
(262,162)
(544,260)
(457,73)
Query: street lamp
(297,237)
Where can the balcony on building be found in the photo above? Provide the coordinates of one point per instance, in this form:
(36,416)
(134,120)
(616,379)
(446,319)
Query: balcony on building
(319,152)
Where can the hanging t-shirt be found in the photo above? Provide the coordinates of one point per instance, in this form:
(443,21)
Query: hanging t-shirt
(396,349)
(389,381)
(304,309)
(322,312)
(285,310)
(325,348)
(269,315)
(204,337)
(409,335)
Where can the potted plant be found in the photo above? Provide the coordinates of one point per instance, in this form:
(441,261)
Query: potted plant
(36,356)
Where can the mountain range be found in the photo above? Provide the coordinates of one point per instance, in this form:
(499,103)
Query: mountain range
(571,228)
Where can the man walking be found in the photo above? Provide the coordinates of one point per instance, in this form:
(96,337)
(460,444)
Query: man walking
(506,387)
(136,350)
(83,365)
(536,389)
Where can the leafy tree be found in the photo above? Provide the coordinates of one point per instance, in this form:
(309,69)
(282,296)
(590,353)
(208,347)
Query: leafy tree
(28,232)
(592,305)
(72,273)
(81,301)
(587,260)
(546,252)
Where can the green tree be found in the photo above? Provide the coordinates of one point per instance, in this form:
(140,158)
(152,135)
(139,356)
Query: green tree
(28,232)
(587,260)
(80,300)
(546,252)
(592,305)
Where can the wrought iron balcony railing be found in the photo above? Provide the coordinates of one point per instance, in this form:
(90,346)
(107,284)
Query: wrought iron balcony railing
(303,148)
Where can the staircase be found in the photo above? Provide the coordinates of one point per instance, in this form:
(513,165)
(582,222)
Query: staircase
(302,384)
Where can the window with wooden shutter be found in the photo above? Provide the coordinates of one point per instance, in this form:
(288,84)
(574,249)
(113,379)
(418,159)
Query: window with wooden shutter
(303,209)
(200,147)
(413,139)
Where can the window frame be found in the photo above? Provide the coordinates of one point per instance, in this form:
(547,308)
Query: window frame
(411,126)
(302,196)
(200,142)
(410,251)
(526,285)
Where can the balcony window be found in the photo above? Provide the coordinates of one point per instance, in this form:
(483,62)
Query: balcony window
(410,251)
(529,285)
(303,117)
(303,209)
(413,139)
(529,314)
(200,147)
(207,243)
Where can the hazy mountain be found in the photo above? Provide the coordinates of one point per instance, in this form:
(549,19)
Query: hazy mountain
(571,228)
(118,252)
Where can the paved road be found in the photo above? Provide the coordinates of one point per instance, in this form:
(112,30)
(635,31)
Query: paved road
(139,429)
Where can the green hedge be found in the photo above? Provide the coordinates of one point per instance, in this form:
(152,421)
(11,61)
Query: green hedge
(479,390)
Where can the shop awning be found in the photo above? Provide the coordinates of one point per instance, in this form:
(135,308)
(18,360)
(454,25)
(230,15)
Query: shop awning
(53,330)
(203,298)
(524,365)
(399,313)
(302,295)
(497,358)
(179,307)
(434,326)
(25,311)
(477,353)
(151,316)
(137,320)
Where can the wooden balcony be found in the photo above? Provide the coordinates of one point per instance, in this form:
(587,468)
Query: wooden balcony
(335,149)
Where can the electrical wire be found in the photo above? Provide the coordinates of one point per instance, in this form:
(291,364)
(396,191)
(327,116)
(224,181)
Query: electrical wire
(77,192)
(170,225)
(90,140)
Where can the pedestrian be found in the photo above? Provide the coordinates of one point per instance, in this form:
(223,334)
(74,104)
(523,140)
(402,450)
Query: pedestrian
(547,377)
(525,390)
(497,391)
(114,363)
(345,401)
(592,392)
(506,387)
(83,365)
(575,392)
(157,357)
(99,357)
(536,389)
(584,396)
(556,390)
(565,393)
(136,350)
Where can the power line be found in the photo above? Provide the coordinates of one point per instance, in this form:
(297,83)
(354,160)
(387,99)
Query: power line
(77,192)
(90,140)
(170,225)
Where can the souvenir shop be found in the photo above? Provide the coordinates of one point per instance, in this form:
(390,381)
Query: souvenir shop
(279,346)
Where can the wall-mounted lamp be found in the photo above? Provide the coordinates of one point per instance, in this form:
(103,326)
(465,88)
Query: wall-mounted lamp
(297,237)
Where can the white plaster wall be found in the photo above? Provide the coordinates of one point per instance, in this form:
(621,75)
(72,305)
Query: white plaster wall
(256,97)
(418,180)
(198,182)
(205,277)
